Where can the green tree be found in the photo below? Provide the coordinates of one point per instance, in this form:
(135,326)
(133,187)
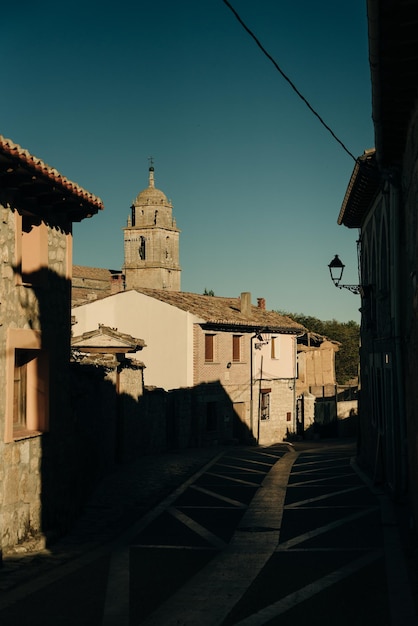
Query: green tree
(346,333)
(208,292)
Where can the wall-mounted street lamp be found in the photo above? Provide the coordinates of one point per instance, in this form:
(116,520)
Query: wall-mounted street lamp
(336,269)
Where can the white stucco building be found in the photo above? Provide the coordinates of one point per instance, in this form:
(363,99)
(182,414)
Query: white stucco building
(239,359)
(195,339)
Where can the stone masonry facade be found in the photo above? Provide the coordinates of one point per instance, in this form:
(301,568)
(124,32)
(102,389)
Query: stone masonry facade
(21,483)
(20,502)
(235,378)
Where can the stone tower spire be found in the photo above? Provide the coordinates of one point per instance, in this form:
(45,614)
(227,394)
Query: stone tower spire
(151,175)
(151,241)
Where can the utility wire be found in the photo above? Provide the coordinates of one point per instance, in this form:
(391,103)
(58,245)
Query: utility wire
(259,44)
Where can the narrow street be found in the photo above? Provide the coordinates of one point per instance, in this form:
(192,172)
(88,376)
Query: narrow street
(310,543)
(281,535)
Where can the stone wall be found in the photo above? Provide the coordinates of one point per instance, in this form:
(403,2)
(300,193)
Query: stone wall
(36,466)
(234,377)
(282,411)
(20,497)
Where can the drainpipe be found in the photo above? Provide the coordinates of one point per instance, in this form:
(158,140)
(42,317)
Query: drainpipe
(259,401)
(295,371)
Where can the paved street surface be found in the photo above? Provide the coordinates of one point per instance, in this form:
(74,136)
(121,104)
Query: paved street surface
(281,535)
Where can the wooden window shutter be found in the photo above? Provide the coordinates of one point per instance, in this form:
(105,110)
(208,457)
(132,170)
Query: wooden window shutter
(236,348)
(209,347)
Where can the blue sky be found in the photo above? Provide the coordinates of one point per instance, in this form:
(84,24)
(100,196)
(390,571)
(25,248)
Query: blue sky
(95,88)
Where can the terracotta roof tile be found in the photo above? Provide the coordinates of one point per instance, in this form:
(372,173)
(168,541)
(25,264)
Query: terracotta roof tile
(226,312)
(98,273)
(25,159)
(104,337)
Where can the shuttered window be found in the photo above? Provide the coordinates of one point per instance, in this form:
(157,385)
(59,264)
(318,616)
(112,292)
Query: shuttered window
(236,348)
(27,380)
(274,347)
(209,347)
(20,389)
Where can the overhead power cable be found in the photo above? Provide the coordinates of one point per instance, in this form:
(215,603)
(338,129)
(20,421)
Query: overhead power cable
(293,86)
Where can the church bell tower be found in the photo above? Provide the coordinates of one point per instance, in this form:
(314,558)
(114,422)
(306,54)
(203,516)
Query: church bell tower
(151,242)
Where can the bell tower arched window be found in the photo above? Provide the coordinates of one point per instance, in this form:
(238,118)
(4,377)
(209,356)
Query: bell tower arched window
(141,249)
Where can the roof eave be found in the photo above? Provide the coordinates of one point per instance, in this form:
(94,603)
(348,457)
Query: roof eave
(361,190)
(32,185)
(251,328)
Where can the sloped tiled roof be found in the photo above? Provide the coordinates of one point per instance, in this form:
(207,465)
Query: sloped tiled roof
(362,188)
(93,283)
(106,339)
(97,273)
(42,187)
(226,312)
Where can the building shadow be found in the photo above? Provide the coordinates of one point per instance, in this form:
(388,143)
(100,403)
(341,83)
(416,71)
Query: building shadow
(89,428)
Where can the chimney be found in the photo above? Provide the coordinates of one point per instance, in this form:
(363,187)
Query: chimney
(261,303)
(246,303)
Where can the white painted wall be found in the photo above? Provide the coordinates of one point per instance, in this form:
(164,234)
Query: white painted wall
(283,366)
(166,330)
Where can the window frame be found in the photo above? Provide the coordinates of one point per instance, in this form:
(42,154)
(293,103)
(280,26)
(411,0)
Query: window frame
(210,347)
(142,250)
(275,347)
(24,352)
(265,405)
(236,348)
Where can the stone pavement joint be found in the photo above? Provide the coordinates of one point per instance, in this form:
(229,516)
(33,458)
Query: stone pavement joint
(116,607)
(293,599)
(126,504)
(129,492)
(228,575)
